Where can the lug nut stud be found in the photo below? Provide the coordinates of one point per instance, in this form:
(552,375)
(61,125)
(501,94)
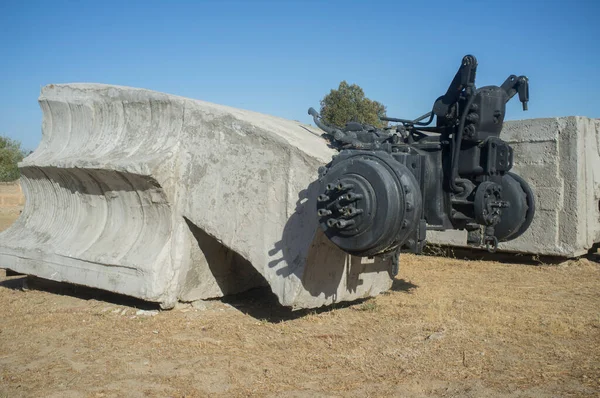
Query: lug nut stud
(353,196)
(344,187)
(344,223)
(323,212)
(354,212)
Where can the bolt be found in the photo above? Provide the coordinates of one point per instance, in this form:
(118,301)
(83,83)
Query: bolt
(330,187)
(473,117)
(409,206)
(469,130)
(322,198)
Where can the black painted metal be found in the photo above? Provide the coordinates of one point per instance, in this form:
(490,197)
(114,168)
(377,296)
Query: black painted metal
(386,187)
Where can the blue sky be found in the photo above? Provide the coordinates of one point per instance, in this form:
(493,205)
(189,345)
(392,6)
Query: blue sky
(281,57)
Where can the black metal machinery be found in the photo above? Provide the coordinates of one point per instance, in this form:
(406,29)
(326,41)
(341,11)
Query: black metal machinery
(387,187)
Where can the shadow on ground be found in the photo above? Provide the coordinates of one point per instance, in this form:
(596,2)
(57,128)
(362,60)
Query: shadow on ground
(262,304)
(475,254)
(28,282)
(400,285)
(259,303)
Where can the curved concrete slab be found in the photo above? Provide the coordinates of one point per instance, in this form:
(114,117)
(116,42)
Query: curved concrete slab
(166,198)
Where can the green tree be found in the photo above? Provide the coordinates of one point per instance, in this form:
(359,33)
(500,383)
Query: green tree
(348,103)
(10,154)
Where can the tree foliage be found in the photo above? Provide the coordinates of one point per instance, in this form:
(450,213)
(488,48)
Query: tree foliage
(348,103)
(10,154)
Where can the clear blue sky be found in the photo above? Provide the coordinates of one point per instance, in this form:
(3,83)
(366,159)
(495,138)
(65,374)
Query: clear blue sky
(281,57)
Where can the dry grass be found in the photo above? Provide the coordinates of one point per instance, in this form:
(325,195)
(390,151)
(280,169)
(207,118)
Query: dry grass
(6,219)
(449,327)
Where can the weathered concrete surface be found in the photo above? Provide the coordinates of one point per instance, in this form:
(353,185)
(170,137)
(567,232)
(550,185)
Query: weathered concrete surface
(560,158)
(166,198)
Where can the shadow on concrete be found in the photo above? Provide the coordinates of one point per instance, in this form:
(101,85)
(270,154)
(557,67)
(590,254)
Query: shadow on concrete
(262,304)
(322,135)
(298,234)
(298,239)
(305,251)
(231,271)
(28,282)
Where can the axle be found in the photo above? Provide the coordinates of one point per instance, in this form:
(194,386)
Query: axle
(387,187)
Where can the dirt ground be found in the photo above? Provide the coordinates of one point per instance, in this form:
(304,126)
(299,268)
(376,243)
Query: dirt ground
(7,218)
(448,328)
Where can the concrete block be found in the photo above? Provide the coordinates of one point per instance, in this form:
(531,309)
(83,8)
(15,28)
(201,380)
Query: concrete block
(560,158)
(166,198)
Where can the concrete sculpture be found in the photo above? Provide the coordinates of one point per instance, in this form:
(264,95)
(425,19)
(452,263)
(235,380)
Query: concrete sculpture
(170,199)
(166,198)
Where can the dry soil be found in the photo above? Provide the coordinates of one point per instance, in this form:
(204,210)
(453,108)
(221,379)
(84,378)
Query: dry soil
(449,327)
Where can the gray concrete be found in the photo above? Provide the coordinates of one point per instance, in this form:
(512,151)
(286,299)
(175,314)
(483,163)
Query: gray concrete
(166,198)
(560,158)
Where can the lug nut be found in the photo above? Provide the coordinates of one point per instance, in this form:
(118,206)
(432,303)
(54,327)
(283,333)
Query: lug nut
(344,187)
(330,187)
(353,212)
(344,223)
(323,212)
(351,197)
(331,222)
(322,198)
